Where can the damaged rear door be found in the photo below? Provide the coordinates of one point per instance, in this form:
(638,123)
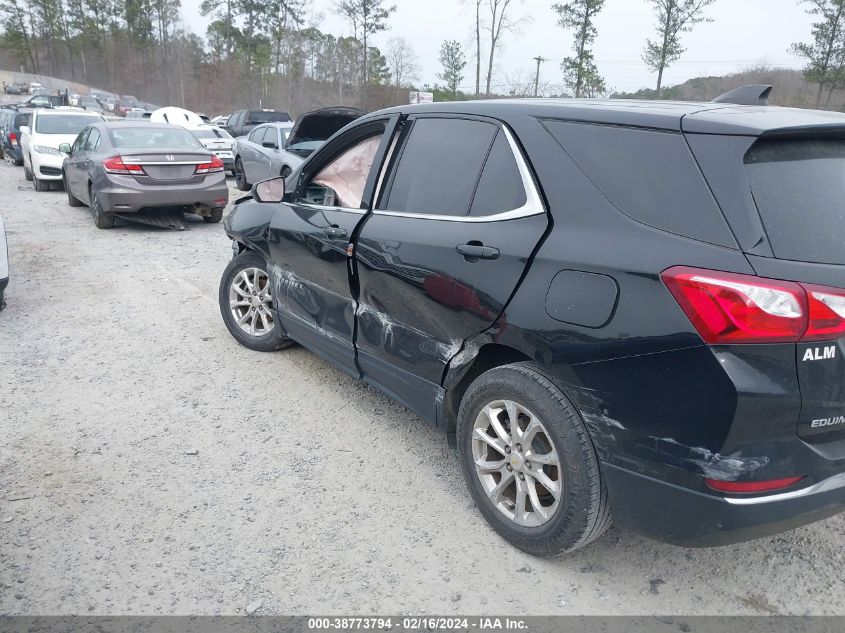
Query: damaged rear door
(457,219)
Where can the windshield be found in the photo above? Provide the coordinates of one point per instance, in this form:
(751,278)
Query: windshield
(22,119)
(799,186)
(212,134)
(62,123)
(143,137)
(267,117)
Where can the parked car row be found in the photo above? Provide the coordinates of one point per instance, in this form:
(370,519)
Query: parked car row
(115,167)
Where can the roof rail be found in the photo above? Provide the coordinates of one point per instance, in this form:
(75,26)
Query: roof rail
(755,94)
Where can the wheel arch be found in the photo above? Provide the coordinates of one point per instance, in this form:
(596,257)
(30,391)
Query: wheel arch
(472,361)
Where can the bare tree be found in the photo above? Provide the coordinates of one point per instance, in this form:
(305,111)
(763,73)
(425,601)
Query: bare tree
(402,61)
(500,23)
(673,18)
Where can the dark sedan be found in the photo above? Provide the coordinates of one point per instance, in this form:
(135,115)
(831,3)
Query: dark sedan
(11,122)
(126,168)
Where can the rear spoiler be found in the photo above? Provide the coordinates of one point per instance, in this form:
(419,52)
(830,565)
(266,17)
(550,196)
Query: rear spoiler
(755,94)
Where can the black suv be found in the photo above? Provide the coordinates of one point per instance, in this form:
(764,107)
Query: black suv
(616,309)
(242,122)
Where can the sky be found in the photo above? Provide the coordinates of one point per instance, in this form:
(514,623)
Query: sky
(743,33)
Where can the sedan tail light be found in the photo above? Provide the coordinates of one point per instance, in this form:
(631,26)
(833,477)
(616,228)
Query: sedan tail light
(115,165)
(13,138)
(731,308)
(209,168)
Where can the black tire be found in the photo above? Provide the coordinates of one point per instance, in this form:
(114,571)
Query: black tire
(240,176)
(273,340)
(72,200)
(583,512)
(102,219)
(40,185)
(27,173)
(215,217)
(18,162)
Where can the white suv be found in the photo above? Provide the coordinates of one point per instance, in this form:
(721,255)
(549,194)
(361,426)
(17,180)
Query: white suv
(40,140)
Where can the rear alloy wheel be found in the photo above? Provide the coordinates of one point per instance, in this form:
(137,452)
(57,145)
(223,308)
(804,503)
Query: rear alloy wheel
(102,219)
(246,304)
(529,461)
(240,176)
(72,200)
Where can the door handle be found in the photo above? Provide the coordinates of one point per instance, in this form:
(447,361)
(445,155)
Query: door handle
(476,251)
(334,232)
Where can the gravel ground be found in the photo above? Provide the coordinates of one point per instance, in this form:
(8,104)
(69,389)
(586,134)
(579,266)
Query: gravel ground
(149,464)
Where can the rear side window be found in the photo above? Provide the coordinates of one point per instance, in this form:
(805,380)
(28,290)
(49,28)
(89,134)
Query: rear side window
(256,135)
(500,188)
(440,166)
(799,188)
(648,175)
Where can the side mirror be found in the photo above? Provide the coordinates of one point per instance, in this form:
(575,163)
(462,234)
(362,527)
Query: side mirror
(272,190)
(65,148)
(270,145)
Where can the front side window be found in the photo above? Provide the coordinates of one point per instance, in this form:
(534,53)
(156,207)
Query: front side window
(341,182)
(79,143)
(439,166)
(93,141)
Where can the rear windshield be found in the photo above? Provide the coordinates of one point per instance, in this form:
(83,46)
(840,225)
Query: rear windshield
(62,123)
(266,117)
(143,137)
(799,188)
(211,134)
(22,119)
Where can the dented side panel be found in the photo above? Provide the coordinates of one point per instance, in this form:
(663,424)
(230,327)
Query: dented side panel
(420,299)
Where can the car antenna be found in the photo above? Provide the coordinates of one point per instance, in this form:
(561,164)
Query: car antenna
(755,94)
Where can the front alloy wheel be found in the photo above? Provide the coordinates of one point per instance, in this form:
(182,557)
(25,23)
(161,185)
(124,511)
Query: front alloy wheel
(250,302)
(516,463)
(246,304)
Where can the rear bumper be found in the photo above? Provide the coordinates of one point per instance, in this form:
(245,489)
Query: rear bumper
(677,515)
(124,197)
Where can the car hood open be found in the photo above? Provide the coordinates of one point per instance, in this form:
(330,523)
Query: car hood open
(318,125)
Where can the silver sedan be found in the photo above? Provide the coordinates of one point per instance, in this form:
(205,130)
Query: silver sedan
(276,149)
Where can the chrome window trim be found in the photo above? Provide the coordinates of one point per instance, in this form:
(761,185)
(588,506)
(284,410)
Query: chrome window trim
(320,207)
(826,485)
(533,202)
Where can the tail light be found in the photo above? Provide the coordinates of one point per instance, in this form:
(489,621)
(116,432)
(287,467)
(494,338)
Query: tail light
(747,487)
(115,165)
(731,308)
(13,138)
(209,168)
(827,313)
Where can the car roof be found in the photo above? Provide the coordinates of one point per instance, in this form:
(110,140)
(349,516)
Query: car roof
(139,123)
(64,110)
(689,116)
